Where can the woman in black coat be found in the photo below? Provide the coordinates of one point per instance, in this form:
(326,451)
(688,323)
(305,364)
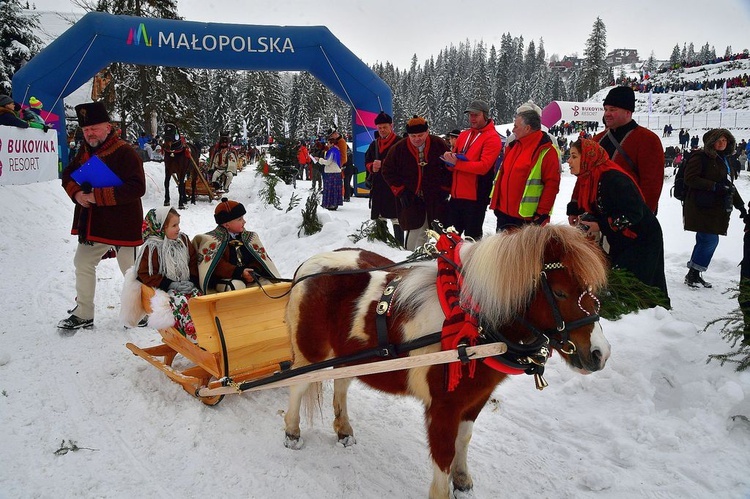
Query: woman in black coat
(614,205)
(709,200)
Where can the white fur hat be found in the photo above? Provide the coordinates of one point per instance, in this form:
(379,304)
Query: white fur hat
(529,106)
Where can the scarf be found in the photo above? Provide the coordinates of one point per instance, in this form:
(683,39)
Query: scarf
(594,162)
(171,253)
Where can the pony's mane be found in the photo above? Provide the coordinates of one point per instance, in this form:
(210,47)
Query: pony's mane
(500,272)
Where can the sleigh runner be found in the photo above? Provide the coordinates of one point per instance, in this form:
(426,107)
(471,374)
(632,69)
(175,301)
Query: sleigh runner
(244,345)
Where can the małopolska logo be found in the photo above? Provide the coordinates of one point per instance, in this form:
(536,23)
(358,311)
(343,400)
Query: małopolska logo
(575,110)
(138,35)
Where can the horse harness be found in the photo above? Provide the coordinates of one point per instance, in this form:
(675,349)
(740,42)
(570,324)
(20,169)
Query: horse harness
(177,147)
(465,328)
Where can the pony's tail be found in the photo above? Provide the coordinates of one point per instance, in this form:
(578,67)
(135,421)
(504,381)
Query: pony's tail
(312,400)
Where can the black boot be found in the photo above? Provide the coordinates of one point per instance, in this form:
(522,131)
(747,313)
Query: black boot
(694,279)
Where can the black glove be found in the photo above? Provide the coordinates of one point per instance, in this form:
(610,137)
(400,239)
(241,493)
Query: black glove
(724,186)
(538,219)
(404,199)
(743,213)
(45,128)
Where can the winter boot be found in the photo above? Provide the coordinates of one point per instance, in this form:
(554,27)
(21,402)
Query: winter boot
(694,279)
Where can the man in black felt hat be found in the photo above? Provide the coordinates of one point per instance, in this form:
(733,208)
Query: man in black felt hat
(635,148)
(108,215)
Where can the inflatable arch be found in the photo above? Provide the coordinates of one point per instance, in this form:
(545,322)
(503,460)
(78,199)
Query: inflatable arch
(571,111)
(99,39)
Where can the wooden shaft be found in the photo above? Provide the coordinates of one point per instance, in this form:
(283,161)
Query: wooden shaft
(381,366)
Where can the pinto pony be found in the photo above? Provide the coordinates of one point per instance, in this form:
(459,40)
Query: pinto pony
(180,159)
(531,287)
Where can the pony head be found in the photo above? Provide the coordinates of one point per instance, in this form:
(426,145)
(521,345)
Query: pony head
(538,281)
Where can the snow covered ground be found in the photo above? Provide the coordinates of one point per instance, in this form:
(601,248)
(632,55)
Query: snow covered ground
(658,421)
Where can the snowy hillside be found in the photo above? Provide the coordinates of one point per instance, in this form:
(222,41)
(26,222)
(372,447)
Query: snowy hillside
(695,101)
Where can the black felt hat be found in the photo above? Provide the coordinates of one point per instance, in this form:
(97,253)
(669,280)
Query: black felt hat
(91,113)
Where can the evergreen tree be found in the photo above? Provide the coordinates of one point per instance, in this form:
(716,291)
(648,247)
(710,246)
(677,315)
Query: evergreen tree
(130,90)
(18,41)
(479,81)
(502,79)
(595,70)
(691,57)
(674,59)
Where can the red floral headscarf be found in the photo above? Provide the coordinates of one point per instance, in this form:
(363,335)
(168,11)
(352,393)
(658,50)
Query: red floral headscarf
(595,161)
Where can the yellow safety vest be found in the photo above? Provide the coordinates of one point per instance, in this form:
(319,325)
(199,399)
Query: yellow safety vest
(533,190)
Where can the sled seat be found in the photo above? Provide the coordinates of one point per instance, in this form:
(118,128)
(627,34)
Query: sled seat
(242,335)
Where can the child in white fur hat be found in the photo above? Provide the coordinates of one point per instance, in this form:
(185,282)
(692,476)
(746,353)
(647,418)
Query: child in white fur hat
(167,262)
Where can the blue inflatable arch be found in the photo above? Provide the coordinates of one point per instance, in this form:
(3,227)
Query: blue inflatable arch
(99,39)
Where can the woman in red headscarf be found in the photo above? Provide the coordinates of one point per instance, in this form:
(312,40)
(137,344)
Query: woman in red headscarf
(612,202)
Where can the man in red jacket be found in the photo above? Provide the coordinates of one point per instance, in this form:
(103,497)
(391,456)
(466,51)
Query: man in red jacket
(472,165)
(105,217)
(637,149)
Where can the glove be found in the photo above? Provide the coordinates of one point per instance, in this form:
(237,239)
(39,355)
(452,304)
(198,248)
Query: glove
(538,219)
(404,199)
(743,213)
(45,128)
(184,287)
(724,186)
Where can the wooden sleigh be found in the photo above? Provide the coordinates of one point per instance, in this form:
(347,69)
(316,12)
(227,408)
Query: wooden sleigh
(202,187)
(243,345)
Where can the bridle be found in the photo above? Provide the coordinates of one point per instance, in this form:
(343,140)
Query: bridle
(530,357)
(559,335)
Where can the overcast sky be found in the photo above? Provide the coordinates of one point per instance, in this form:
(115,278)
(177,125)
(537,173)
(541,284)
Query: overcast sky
(394,30)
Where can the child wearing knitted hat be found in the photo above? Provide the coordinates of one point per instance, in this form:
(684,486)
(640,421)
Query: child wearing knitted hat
(32,114)
(230,257)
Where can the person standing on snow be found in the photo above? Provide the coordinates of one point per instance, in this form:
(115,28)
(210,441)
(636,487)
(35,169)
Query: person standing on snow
(104,217)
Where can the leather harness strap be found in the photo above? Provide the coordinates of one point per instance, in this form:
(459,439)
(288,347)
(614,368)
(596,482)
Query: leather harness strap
(383,311)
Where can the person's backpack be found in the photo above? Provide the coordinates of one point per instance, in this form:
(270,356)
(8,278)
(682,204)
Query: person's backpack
(679,189)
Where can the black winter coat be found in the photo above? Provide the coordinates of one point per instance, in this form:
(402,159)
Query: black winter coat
(633,232)
(705,206)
